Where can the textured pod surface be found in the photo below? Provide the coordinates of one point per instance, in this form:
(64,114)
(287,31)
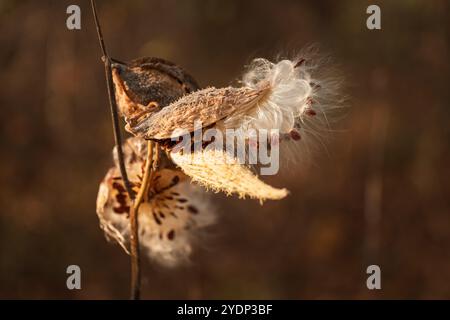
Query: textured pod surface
(172,216)
(218,171)
(207,106)
(153,80)
(146,85)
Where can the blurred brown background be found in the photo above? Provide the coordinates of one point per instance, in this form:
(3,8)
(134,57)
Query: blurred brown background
(380,196)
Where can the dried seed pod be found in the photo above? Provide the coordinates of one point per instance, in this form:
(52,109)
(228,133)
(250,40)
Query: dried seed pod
(146,85)
(294,97)
(206,106)
(217,170)
(170,218)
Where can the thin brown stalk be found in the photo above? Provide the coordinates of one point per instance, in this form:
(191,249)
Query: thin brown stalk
(113,104)
(155,166)
(147,174)
(134,224)
(135,255)
(134,239)
(156,157)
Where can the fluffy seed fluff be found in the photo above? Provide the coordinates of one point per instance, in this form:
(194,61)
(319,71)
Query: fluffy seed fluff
(303,102)
(296,97)
(169,221)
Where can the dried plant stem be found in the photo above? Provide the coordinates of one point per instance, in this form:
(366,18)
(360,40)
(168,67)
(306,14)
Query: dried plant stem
(113,105)
(135,255)
(135,258)
(134,223)
(146,177)
(155,165)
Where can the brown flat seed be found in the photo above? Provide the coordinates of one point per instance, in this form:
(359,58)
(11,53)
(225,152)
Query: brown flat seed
(157,220)
(295,135)
(118,187)
(120,197)
(171,235)
(192,209)
(299,63)
(315,85)
(175,180)
(121,209)
(173,214)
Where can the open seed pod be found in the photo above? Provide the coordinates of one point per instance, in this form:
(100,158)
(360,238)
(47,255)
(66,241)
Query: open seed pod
(144,86)
(173,214)
(220,172)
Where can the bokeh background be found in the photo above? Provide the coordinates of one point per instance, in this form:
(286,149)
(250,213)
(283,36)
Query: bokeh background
(378,195)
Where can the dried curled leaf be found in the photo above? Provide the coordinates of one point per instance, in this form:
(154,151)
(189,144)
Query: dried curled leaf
(217,170)
(173,212)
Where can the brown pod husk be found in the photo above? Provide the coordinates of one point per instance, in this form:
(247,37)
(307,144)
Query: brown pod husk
(146,85)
